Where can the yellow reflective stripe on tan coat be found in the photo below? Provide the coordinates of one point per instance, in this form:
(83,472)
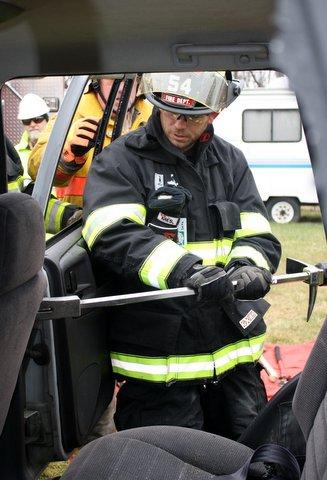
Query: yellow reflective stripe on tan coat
(188,367)
(53,215)
(16,185)
(103,218)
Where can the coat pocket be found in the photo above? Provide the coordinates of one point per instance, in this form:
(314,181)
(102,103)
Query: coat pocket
(225,217)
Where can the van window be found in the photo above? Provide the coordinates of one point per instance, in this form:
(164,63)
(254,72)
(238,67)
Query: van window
(271,126)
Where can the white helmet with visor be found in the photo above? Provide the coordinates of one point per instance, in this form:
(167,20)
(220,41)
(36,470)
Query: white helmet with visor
(191,93)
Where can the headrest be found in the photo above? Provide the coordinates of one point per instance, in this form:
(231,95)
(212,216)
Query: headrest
(22,241)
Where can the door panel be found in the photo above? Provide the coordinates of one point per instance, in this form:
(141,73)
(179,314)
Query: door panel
(80,349)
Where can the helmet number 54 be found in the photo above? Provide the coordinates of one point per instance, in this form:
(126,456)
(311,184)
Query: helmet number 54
(174,86)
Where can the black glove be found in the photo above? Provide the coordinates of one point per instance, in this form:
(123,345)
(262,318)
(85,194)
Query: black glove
(165,206)
(170,200)
(84,136)
(252,282)
(209,282)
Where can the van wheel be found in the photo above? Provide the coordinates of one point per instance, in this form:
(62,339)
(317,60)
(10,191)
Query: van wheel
(283,210)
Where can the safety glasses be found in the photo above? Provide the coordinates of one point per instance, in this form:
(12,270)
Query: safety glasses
(28,121)
(193,119)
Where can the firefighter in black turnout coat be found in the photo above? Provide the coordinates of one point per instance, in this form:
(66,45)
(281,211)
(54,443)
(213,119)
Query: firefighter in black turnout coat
(172,205)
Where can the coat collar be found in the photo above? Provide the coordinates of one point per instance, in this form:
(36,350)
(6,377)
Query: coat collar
(23,142)
(153,140)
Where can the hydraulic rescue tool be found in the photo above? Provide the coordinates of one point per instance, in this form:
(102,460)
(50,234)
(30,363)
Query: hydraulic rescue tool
(73,306)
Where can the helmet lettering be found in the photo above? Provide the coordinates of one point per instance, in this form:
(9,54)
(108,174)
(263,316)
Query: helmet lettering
(186,87)
(173,83)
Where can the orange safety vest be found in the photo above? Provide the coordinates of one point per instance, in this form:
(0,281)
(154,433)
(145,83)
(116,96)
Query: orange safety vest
(75,188)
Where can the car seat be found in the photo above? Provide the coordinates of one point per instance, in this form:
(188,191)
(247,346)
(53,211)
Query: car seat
(276,423)
(22,285)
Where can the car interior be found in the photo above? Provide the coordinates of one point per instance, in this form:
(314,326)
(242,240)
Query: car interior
(56,380)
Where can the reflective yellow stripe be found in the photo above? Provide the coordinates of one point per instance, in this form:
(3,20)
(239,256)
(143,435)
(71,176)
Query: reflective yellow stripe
(212,252)
(253,223)
(248,252)
(53,216)
(16,185)
(159,264)
(13,187)
(103,218)
(188,367)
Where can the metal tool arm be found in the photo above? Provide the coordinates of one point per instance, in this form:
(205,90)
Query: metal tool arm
(73,306)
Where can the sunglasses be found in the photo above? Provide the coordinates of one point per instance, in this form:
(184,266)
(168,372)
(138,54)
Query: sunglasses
(195,119)
(28,121)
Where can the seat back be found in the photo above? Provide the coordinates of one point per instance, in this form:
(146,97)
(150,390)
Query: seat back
(22,284)
(276,423)
(158,453)
(310,407)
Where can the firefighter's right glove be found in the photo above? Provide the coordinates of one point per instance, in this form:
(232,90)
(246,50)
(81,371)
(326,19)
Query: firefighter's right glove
(209,282)
(82,140)
(252,282)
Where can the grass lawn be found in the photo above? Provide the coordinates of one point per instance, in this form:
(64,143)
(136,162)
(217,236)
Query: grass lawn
(286,318)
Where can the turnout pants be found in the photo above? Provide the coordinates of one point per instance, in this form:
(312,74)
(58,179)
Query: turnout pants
(225,407)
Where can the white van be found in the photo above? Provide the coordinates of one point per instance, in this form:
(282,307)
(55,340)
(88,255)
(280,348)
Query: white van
(265,124)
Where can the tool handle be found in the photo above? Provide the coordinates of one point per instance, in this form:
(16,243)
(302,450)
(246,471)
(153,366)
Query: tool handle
(271,372)
(278,354)
(286,278)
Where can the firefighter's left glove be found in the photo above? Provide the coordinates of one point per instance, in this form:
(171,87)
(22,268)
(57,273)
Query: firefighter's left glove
(169,200)
(252,282)
(209,282)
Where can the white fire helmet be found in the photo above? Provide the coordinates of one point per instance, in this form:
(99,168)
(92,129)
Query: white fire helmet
(194,93)
(31,106)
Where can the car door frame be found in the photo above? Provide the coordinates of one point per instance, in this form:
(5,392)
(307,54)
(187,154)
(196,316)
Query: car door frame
(47,417)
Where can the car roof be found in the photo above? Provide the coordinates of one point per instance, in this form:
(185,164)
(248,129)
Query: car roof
(44,37)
